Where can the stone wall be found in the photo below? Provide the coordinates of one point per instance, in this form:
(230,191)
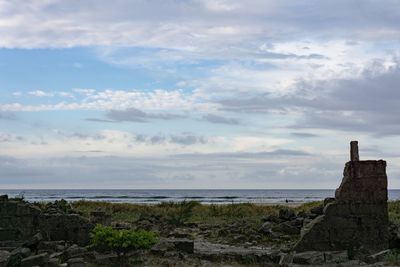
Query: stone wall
(20,220)
(358,217)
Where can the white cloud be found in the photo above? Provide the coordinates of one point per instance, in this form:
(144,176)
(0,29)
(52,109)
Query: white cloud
(40,93)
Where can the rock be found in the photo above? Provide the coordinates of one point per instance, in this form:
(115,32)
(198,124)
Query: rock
(76,262)
(336,256)
(184,245)
(105,260)
(24,252)
(358,218)
(36,260)
(33,242)
(17,255)
(286,228)
(74,251)
(309,257)
(4,257)
(286,259)
(266,228)
(100,217)
(53,262)
(272,218)
(318,210)
(286,214)
(52,246)
(328,200)
(180,233)
(380,256)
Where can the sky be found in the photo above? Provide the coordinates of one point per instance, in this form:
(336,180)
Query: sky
(200,94)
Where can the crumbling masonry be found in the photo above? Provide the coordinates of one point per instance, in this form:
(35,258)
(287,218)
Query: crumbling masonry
(358,216)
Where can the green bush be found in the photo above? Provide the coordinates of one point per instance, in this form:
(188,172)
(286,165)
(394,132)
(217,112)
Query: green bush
(393,257)
(179,213)
(122,241)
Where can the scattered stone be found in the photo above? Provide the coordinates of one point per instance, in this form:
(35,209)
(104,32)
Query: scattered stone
(76,262)
(4,257)
(74,251)
(286,259)
(328,200)
(286,214)
(33,242)
(318,210)
(36,260)
(286,228)
(23,252)
(266,228)
(184,245)
(100,217)
(380,256)
(309,257)
(336,256)
(272,218)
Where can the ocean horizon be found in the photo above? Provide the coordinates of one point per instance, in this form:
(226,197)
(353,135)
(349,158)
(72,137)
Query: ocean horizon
(204,196)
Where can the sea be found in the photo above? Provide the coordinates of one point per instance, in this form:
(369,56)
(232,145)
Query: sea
(215,196)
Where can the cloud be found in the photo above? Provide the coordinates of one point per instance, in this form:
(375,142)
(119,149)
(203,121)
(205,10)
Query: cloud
(162,172)
(213,118)
(368,103)
(136,115)
(207,26)
(304,135)
(250,155)
(187,139)
(184,139)
(7,116)
(39,93)
(121,100)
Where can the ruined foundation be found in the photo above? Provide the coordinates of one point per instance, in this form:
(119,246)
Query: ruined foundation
(20,220)
(358,216)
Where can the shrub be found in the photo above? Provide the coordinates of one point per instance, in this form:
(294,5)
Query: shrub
(179,213)
(122,241)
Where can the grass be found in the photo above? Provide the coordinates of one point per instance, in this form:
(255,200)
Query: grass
(178,212)
(394,211)
(192,211)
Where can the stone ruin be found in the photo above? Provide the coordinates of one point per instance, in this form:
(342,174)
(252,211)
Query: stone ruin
(20,220)
(357,218)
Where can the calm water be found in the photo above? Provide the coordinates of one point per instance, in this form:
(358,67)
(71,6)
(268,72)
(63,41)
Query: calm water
(203,196)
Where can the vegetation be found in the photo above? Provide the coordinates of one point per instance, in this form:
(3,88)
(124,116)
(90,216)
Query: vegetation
(393,257)
(122,241)
(192,211)
(394,211)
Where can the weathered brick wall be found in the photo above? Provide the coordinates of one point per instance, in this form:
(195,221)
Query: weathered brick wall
(358,218)
(20,220)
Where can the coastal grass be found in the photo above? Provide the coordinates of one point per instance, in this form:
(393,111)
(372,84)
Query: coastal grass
(187,211)
(192,211)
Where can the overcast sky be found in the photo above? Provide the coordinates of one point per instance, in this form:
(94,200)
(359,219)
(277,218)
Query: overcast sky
(196,93)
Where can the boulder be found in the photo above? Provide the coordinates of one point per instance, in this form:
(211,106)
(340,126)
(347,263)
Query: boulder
(36,260)
(33,242)
(286,259)
(4,258)
(76,262)
(286,214)
(100,217)
(183,245)
(286,228)
(309,257)
(380,256)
